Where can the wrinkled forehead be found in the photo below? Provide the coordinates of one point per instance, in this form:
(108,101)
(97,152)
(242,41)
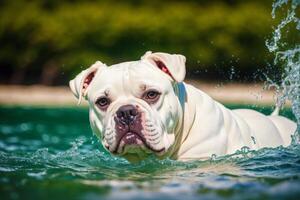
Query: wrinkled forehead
(146,73)
(128,77)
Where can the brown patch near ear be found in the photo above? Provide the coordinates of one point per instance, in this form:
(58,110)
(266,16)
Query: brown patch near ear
(143,87)
(163,67)
(88,80)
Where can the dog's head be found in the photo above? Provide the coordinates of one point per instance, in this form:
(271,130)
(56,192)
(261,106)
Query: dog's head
(135,107)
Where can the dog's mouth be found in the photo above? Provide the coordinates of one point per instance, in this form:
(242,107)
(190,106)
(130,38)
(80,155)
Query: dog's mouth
(134,141)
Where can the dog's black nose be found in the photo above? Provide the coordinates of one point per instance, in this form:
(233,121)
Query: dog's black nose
(127,114)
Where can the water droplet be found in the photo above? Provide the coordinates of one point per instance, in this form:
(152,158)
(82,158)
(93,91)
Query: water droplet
(232,73)
(213,157)
(245,149)
(253,140)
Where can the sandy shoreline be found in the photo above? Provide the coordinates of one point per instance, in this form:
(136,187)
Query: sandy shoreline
(38,95)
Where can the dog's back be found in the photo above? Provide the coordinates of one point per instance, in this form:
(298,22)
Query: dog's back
(270,131)
(285,126)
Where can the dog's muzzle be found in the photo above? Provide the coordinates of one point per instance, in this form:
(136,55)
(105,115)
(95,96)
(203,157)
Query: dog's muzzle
(129,129)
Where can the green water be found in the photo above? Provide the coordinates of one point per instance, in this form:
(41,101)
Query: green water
(50,153)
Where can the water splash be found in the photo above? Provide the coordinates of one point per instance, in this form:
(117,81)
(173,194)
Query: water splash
(287,56)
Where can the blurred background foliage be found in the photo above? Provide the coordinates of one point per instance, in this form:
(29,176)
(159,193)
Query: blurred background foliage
(49,41)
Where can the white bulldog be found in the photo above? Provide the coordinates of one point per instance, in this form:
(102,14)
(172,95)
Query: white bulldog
(141,108)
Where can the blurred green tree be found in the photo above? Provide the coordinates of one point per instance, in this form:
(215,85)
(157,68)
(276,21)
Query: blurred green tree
(50,41)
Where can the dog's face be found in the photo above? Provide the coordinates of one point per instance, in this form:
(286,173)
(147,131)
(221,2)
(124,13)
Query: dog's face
(134,106)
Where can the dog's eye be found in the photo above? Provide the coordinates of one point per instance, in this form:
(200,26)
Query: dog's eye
(103,102)
(151,96)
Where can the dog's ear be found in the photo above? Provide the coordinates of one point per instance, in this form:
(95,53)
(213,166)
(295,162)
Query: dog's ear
(80,84)
(171,64)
